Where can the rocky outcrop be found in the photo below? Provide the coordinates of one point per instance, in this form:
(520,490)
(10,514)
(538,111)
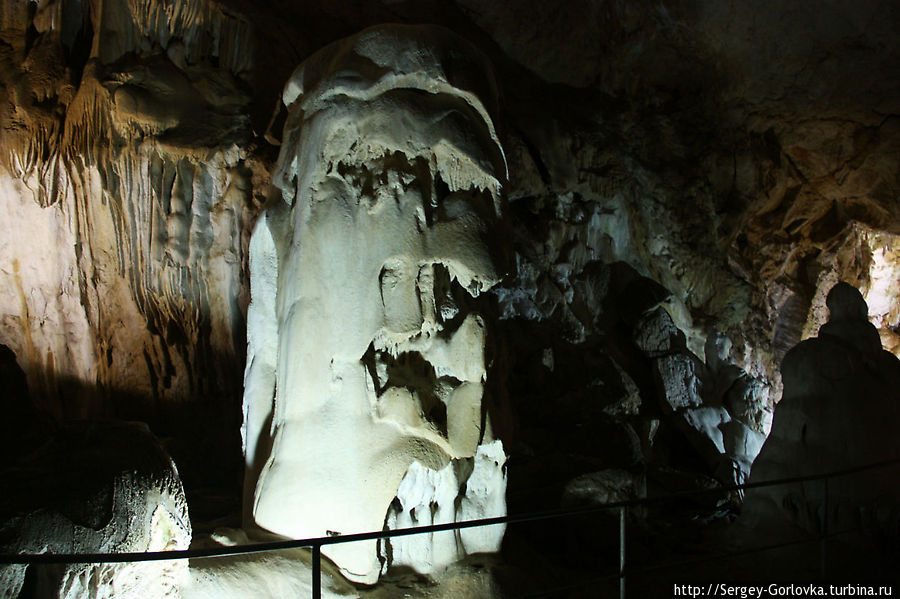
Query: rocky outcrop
(95,488)
(841,390)
(721,409)
(124,147)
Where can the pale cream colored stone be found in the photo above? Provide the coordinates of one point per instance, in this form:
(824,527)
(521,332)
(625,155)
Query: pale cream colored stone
(366,362)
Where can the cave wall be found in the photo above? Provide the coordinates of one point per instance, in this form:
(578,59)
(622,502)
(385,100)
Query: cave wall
(128,198)
(742,157)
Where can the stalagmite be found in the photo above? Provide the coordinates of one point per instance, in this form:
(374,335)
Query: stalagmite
(364,390)
(839,410)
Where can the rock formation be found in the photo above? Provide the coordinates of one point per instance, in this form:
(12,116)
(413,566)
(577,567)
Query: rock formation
(841,389)
(97,488)
(841,399)
(366,368)
(688,179)
(720,408)
(122,161)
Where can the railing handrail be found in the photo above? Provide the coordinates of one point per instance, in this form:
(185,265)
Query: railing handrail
(318,542)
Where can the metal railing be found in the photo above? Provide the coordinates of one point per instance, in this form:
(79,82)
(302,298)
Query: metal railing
(315,544)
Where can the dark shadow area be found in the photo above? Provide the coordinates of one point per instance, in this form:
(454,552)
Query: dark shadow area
(201,435)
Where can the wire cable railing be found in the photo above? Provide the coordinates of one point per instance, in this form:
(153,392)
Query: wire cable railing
(315,544)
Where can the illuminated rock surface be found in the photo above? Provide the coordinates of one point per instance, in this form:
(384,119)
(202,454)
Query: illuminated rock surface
(366,361)
(261,575)
(122,162)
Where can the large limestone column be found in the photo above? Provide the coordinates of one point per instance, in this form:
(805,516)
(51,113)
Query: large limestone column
(364,390)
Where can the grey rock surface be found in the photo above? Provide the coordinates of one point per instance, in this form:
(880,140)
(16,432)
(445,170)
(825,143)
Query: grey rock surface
(95,488)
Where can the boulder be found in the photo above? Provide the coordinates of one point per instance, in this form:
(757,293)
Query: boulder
(95,488)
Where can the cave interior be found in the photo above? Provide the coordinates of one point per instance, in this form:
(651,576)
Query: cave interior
(467,259)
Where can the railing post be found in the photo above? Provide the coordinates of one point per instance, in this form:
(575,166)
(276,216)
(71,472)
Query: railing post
(317,571)
(824,550)
(622,552)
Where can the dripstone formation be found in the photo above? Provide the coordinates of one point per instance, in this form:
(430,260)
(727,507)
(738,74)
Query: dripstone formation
(365,266)
(364,402)
(841,395)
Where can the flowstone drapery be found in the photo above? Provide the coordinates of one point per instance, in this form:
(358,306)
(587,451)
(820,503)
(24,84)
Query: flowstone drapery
(365,386)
